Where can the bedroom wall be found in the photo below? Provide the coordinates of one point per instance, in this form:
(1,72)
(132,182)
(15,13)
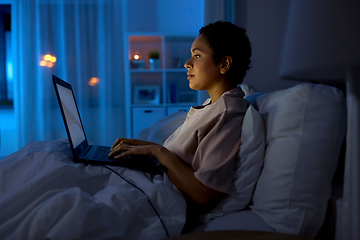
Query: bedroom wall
(164,16)
(265,22)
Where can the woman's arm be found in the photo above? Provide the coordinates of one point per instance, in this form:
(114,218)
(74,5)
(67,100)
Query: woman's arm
(181,175)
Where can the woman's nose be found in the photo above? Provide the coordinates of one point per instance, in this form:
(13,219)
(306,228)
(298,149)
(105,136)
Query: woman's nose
(187,64)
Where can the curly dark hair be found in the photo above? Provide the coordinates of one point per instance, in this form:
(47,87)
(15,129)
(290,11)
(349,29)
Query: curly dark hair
(227,39)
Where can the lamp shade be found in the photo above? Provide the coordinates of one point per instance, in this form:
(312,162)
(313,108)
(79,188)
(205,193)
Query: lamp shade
(322,39)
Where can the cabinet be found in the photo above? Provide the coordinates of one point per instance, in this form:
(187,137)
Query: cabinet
(154,90)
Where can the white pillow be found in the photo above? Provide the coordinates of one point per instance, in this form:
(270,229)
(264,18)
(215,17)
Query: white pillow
(162,129)
(305,127)
(248,89)
(248,166)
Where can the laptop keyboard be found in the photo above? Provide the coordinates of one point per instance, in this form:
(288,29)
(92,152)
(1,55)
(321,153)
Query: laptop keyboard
(101,153)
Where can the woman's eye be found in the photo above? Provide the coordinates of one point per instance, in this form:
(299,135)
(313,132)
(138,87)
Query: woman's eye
(196,56)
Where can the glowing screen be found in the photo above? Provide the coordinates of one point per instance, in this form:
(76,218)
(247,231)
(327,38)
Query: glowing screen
(71,115)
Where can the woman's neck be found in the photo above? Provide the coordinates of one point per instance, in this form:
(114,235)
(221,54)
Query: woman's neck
(217,92)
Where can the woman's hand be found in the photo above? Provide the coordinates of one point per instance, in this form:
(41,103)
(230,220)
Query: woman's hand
(131,141)
(127,147)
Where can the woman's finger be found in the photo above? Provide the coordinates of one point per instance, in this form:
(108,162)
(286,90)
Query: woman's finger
(128,141)
(116,143)
(119,148)
(123,154)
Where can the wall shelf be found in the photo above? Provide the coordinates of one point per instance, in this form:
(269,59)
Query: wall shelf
(170,77)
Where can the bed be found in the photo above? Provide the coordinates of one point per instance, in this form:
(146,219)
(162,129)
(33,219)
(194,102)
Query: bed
(45,195)
(291,145)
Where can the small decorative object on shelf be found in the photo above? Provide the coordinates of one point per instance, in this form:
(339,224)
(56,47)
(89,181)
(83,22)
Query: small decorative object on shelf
(137,62)
(154,60)
(148,94)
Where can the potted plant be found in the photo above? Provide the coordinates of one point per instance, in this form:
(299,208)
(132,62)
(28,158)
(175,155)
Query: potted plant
(154,60)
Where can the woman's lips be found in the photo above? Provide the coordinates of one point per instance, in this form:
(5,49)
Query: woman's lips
(190,76)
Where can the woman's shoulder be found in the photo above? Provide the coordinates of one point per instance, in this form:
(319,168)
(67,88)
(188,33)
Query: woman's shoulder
(233,101)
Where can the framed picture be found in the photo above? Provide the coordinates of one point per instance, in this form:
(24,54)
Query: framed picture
(147,94)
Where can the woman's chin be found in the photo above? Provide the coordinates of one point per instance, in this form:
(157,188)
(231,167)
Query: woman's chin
(193,86)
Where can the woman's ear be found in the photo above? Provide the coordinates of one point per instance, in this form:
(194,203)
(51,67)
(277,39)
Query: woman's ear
(225,64)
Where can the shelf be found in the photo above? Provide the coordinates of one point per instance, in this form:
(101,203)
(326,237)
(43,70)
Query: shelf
(134,105)
(147,70)
(181,104)
(176,70)
(171,78)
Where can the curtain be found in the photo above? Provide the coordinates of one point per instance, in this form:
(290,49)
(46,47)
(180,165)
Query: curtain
(81,42)
(215,10)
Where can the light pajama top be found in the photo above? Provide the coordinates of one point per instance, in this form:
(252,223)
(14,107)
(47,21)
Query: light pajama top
(209,139)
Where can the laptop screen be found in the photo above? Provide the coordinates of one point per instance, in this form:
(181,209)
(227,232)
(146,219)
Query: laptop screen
(71,114)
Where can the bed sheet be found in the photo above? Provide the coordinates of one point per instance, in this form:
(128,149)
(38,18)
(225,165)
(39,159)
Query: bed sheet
(45,195)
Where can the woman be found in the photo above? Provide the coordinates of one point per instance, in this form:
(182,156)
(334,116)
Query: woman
(200,155)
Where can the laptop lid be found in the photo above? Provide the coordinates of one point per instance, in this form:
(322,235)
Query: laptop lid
(71,116)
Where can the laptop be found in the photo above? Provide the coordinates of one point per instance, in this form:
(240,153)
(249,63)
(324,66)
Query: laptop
(82,151)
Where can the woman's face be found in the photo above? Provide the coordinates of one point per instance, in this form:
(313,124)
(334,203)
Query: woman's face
(203,73)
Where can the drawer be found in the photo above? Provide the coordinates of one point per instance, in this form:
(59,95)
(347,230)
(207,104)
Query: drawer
(145,117)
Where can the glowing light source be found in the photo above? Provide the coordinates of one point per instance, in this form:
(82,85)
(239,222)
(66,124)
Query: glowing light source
(10,71)
(94,81)
(47,57)
(47,61)
(136,56)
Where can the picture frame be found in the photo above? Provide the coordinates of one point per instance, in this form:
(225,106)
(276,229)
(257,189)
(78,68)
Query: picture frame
(147,94)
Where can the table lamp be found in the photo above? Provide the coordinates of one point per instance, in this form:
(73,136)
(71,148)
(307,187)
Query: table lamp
(322,43)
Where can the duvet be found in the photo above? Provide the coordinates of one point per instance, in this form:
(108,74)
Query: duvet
(45,195)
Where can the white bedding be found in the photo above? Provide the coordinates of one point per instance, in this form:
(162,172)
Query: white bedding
(45,195)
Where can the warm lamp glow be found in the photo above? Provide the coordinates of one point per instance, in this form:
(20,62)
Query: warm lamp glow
(47,57)
(48,61)
(94,81)
(137,56)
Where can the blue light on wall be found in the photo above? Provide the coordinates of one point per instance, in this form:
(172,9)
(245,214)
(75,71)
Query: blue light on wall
(9,66)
